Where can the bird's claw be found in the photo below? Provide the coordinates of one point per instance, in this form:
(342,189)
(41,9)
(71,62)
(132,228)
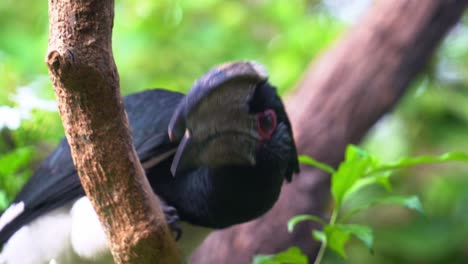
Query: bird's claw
(172,219)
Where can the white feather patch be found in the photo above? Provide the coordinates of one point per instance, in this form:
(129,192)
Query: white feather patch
(41,240)
(87,235)
(11,213)
(72,234)
(61,236)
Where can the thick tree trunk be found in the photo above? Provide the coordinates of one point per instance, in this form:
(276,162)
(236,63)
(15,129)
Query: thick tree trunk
(86,84)
(340,98)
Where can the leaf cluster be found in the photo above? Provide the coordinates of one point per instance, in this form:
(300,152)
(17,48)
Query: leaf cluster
(359,170)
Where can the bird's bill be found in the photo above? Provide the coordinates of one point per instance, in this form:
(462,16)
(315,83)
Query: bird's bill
(228,148)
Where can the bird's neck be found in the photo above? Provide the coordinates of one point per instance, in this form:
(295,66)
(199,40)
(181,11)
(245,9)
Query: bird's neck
(218,198)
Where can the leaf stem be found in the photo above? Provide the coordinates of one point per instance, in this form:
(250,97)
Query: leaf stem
(323,246)
(321,252)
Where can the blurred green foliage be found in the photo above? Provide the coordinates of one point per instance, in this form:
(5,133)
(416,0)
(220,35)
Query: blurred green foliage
(430,119)
(156,44)
(359,170)
(170,43)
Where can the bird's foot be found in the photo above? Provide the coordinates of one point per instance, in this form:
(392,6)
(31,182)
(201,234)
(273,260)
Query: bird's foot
(172,219)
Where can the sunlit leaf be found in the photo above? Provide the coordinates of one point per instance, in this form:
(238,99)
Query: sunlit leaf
(300,218)
(382,179)
(337,239)
(338,235)
(11,162)
(293,255)
(412,161)
(357,163)
(374,173)
(315,163)
(4,201)
(319,236)
(264,259)
(361,232)
(411,202)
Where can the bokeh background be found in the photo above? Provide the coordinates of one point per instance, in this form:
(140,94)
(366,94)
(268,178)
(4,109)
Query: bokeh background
(170,43)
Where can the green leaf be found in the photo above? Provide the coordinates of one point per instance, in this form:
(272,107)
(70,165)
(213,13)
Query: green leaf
(264,259)
(360,169)
(315,163)
(319,236)
(300,218)
(357,163)
(4,201)
(11,162)
(338,235)
(382,179)
(411,202)
(293,255)
(336,239)
(361,232)
(411,161)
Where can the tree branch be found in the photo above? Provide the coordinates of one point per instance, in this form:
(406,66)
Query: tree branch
(341,97)
(86,84)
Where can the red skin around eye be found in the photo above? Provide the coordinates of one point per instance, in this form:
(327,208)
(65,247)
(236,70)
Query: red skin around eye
(266,133)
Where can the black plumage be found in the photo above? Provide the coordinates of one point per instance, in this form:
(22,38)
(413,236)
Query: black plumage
(56,181)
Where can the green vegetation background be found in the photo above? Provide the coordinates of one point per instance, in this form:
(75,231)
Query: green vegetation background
(171,43)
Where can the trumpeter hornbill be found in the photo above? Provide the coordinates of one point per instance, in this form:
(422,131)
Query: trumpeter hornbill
(214,157)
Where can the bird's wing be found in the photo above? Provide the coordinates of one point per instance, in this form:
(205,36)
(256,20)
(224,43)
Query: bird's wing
(55,183)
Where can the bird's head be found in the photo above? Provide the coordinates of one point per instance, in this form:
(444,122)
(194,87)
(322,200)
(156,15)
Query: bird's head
(232,116)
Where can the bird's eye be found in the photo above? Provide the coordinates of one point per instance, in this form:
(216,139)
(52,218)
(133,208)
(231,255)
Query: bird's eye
(266,123)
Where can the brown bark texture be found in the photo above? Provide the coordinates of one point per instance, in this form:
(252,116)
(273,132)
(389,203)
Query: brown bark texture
(341,96)
(86,83)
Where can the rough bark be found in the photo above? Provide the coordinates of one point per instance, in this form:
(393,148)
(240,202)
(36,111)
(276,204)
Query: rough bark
(86,84)
(341,97)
